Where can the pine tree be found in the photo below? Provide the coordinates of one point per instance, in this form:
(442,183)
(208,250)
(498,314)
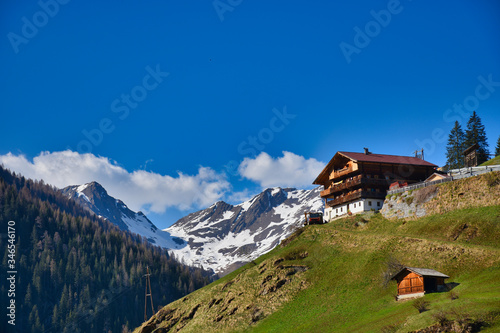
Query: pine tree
(455,147)
(475,133)
(497,150)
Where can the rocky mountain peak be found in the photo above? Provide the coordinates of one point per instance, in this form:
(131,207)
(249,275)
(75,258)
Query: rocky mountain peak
(94,198)
(225,236)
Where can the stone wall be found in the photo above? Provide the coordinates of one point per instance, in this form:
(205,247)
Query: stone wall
(409,204)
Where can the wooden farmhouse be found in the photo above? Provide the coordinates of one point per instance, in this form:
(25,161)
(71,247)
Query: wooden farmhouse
(414,282)
(358,182)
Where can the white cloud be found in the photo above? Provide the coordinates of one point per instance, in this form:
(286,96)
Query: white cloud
(140,189)
(290,170)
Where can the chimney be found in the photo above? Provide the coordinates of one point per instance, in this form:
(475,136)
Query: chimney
(366,151)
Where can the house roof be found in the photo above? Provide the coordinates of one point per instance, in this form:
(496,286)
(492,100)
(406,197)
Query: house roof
(423,272)
(373,158)
(388,159)
(436,174)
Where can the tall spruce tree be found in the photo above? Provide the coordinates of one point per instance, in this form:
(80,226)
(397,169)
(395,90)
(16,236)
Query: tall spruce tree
(497,150)
(455,147)
(475,133)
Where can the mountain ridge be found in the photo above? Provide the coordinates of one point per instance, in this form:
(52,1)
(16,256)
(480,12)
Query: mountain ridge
(236,234)
(94,198)
(221,237)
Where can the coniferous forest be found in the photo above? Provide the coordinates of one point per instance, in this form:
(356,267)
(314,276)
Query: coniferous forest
(76,272)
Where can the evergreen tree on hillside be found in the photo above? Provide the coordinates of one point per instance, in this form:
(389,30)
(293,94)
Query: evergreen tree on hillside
(455,147)
(497,150)
(475,133)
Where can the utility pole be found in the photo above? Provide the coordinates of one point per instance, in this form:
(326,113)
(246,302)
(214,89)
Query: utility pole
(148,293)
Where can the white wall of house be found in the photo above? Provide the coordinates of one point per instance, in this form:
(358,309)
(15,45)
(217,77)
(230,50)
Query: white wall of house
(358,206)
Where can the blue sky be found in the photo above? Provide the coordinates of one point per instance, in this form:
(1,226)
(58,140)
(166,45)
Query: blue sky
(186,103)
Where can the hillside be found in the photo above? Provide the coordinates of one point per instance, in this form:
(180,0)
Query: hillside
(332,278)
(493,161)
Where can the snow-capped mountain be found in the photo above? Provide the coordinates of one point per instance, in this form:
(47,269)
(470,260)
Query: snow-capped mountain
(93,197)
(223,237)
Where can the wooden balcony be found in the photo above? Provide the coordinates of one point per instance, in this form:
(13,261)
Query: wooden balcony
(342,172)
(356,195)
(342,186)
(348,183)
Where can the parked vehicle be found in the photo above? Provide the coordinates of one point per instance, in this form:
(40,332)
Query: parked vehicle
(314,218)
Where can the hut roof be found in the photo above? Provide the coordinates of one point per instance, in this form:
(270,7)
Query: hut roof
(470,149)
(423,272)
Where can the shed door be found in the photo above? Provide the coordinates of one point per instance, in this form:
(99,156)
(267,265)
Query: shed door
(411,283)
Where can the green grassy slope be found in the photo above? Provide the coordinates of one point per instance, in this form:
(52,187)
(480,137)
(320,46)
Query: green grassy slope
(493,161)
(347,292)
(330,278)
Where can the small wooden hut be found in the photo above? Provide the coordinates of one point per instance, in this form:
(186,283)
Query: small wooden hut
(414,282)
(471,156)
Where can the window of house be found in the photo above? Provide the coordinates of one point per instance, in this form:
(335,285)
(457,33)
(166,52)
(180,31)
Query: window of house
(378,203)
(369,203)
(336,210)
(354,205)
